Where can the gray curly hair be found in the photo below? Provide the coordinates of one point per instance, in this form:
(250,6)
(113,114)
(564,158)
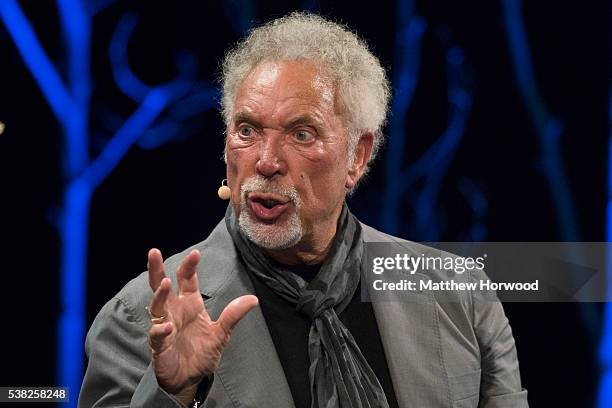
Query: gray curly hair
(359,78)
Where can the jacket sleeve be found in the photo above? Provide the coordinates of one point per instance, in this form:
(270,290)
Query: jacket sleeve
(119,372)
(501,381)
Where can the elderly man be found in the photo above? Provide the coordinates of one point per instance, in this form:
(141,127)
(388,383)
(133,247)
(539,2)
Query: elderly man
(304,102)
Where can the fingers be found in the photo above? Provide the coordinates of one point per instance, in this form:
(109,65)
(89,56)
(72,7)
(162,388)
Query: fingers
(235,311)
(157,335)
(155,265)
(186,273)
(158,306)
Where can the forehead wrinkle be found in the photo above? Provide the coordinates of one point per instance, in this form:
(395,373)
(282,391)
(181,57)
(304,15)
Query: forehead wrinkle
(282,109)
(314,85)
(269,93)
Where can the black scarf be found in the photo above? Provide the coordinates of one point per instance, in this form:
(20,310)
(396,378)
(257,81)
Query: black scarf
(340,376)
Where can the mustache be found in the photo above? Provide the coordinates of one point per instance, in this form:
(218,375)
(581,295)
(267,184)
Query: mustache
(262,184)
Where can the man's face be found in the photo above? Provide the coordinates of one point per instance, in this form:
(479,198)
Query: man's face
(287,155)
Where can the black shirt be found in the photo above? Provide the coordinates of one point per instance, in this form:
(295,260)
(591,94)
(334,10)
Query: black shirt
(289,330)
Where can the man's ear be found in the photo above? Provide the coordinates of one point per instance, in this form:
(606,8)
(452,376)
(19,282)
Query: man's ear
(362,154)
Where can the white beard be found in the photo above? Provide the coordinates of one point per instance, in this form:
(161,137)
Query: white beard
(280,235)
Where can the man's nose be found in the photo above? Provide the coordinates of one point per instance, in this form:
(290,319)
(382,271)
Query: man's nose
(271,158)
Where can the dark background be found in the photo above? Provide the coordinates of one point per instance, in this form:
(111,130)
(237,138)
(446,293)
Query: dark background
(166,197)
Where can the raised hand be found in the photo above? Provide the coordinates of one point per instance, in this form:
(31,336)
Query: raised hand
(186,345)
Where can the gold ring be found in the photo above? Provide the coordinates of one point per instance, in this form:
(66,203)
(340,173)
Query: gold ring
(156,319)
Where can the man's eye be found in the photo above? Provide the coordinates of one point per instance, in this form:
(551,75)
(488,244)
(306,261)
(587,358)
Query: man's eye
(303,136)
(246,131)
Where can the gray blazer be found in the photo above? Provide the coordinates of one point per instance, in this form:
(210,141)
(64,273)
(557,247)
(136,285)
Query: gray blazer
(457,353)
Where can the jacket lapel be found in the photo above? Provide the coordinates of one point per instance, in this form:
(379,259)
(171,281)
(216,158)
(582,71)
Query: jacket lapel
(250,371)
(409,331)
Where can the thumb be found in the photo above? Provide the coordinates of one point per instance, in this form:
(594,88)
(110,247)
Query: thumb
(235,311)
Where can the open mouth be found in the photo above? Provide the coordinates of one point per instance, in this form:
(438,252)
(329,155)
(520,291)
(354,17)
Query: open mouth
(267,206)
